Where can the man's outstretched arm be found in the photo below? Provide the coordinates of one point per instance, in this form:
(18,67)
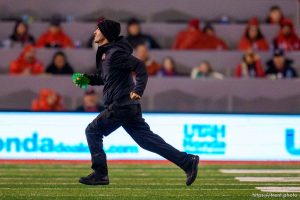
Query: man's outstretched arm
(95,79)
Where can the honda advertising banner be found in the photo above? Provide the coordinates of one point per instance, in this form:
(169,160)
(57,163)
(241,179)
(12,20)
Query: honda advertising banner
(241,137)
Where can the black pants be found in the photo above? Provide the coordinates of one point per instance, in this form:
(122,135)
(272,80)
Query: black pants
(130,118)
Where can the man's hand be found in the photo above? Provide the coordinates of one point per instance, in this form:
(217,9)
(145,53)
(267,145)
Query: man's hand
(80,80)
(135,96)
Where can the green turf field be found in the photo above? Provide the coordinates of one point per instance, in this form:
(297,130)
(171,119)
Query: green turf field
(133,181)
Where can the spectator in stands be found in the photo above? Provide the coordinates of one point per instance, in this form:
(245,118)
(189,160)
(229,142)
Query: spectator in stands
(90,102)
(275,15)
(48,100)
(205,70)
(280,67)
(136,36)
(213,40)
(168,68)
(142,53)
(190,38)
(250,66)
(27,63)
(55,36)
(287,38)
(253,37)
(21,36)
(59,64)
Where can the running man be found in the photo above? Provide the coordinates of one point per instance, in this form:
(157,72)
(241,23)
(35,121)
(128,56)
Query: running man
(121,96)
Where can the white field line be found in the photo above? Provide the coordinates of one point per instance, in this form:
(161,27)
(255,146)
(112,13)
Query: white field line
(145,184)
(279,189)
(74,170)
(122,178)
(142,189)
(76,183)
(260,171)
(111,195)
(268,179)
(39,183)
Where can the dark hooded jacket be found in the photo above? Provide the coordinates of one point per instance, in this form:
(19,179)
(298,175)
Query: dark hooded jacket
(53,69)
(23,39)
(142,39)
(287,72)
(115,65)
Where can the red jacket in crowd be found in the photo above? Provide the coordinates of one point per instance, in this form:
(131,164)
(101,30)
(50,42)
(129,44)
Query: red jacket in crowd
(194,38)
(48,100)
(287,42)
(242,70)
(216,43)
(152,67)
(26,63)
(259,43)
(59,39)
(189,38)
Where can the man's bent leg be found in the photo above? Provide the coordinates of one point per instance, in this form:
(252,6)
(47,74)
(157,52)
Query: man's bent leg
(103,125)
(140,131)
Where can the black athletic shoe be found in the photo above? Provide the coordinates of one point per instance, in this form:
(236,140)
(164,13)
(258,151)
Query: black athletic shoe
(192,170)
(94,179)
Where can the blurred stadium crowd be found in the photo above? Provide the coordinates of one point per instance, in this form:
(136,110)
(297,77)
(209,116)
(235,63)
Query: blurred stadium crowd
(196,35)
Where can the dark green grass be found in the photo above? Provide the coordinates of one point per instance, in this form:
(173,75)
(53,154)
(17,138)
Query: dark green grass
(134,181)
